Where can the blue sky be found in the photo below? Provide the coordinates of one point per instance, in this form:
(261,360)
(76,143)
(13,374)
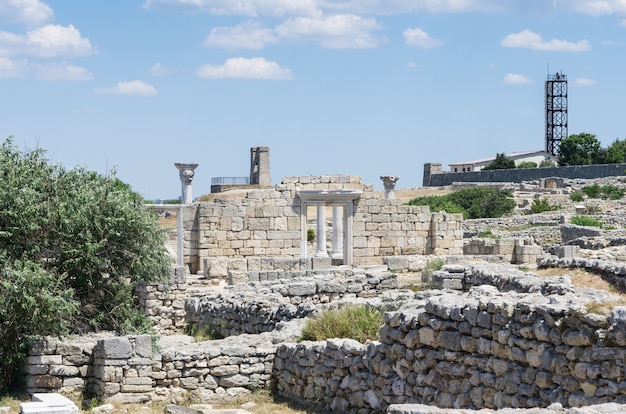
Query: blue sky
(358,87)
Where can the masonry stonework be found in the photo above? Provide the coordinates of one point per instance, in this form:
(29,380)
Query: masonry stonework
(267,223)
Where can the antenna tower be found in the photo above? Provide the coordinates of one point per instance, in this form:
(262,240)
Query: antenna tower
(556,111)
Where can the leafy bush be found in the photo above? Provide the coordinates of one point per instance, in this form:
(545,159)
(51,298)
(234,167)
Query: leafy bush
(471,202)
(501,162)
(353,321)
(527,164)
(310,235)
(73,245)
(606,191)
(586,221)
(540,205)
(576,196)
(547,164)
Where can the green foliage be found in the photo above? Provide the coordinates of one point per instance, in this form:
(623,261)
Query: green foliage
(540,205)
(616,152)
(579,149)
(586,221)
(357,322)
(502,162)
(437,203)
(483,202)
(84,238)
(605,191)
(435,264)
(471,202)
(527,164)
(34,302)
(576,196)
(310,235)
(487,234)
(547,163)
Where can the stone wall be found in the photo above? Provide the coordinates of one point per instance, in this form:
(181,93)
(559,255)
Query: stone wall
(267,223)
(483,348)
(242,309)
(525,174)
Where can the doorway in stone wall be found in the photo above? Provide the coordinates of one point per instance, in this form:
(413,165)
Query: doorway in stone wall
(330,215)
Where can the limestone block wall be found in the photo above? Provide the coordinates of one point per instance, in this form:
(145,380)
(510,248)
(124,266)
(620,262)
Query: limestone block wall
(266,223)
(522,250)
(260,306)
(482,349)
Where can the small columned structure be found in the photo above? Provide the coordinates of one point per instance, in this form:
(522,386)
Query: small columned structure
(389,182)
(340,200)
(186,173)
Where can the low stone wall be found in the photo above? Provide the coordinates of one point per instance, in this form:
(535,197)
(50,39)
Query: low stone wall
(127,369)
(484,348)
(515,250)
(260,306)
(612,272)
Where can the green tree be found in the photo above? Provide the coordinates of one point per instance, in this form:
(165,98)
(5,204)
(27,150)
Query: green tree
(472,202)
(527,164)
(501,162)
(616,152)
(88,233)
(579,149)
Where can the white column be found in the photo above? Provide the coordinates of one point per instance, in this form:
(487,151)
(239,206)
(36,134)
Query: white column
(321,232)
(337,252)
(389,182)
(186,173)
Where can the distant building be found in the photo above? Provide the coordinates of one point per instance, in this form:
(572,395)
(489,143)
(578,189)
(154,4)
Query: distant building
(519,157)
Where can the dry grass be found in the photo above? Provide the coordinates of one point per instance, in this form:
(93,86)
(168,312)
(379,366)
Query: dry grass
(580,278)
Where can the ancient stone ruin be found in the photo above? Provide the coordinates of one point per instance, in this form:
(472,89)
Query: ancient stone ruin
(483,333)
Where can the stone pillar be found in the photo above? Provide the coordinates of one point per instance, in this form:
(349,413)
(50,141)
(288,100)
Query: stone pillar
(321,232)
(186,173)
(260,166)
(389,181)
(337,251)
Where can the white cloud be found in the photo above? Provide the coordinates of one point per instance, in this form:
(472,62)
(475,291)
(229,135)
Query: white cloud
(412,65)
(60,71)
(529,40)
(29,12)
(249,35)
(598,7)
(242,68)
(333,32)
(10,68)
(159,70)
(515,79)
(135,88)
(47,41)
(584,82)
(240,7)
(419,38)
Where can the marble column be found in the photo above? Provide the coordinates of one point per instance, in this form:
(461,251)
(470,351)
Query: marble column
(186,173)
(321,232)
(389,182)
(337,251)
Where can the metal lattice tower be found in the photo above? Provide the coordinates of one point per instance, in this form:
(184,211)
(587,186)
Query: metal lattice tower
(556,111)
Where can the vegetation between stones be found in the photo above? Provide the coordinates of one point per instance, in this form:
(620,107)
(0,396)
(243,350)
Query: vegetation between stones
(471,202)
(357,322)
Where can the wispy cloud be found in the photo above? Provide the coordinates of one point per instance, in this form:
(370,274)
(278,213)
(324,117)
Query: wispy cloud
(159,70)
(28,12)
(60,71)
(133,88)
(516,79)
(334,32)
(419,38)
(249,35)
(530,40)
(242,68)
(10,68)
(47,41)
(584,81)
(240,7)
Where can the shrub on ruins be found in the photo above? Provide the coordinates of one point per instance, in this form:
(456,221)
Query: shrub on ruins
(482,202)
(603,191)
(358,322)
(82,237)
(541,205)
